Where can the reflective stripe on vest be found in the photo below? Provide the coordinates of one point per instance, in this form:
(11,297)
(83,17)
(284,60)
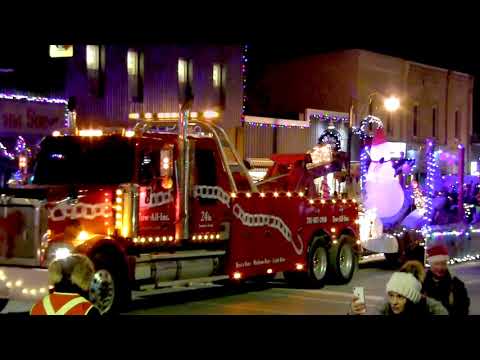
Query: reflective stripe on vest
(49,310)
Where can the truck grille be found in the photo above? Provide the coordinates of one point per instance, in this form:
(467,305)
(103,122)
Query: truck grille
(22,225)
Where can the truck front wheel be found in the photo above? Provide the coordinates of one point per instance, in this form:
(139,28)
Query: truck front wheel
(342,260)
(109,290)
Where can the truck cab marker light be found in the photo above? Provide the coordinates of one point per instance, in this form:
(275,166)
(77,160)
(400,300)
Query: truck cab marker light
(262,195)
(233,195)
(269,271)
(300,194)
(237,275)
(334,201)
(311,201)
(18,283)
(170,238)
(194,237)
(142,240)
(275,194)
(217,236)
(289,194)
(322,201)
(344,201)
(157,239)
(299,267)
(248,195)
(150,239)
(164,238)
(8,284)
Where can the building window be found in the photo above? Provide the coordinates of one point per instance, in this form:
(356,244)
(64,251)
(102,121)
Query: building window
(185,76)
(218,81)
(135,75)
(434,122)
(95,60)
(457,124)
(415,120)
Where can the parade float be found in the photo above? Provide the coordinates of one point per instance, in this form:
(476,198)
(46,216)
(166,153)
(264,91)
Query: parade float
(410,204)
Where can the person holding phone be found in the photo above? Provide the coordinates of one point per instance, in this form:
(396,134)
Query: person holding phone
(404,298)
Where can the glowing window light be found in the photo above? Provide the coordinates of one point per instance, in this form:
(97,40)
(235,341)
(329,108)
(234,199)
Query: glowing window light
(182,69)
(132,62)
(93,57)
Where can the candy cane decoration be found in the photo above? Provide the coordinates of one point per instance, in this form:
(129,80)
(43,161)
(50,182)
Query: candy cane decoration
(80,210)
(212,192)
(256,220)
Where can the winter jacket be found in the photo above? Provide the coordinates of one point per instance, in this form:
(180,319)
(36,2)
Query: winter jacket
(426,307)
(450,291)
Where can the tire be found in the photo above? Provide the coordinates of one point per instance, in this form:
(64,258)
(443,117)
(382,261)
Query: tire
(3,304)
(110,291)
(342,260)
(317,266)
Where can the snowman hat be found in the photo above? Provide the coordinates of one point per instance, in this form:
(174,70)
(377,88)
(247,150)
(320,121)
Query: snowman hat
(379,137)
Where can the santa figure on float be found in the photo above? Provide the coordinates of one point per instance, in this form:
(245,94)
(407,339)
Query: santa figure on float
(383,192)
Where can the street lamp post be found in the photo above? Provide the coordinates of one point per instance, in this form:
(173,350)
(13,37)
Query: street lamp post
(391,104)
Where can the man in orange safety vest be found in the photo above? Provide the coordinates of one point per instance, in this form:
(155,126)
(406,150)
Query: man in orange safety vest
(70,278)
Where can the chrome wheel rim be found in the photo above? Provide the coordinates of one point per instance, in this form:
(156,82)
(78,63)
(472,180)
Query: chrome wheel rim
(102,290)
(320,263)
(346,260)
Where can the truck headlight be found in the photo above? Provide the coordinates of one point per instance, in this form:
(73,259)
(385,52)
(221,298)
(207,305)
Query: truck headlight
(58,251)
(62,253)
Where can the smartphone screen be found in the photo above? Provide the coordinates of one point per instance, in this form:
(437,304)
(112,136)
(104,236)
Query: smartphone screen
(359,292)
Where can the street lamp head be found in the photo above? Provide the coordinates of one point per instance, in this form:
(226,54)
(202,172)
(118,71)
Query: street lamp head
(392,103)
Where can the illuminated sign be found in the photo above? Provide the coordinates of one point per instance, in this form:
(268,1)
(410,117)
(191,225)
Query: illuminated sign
(59,51)
(321,154)
(23,117)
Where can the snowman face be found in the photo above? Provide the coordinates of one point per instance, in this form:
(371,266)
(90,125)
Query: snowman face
(380,151)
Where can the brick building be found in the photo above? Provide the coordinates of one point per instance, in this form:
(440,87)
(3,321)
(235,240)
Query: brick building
(435,102)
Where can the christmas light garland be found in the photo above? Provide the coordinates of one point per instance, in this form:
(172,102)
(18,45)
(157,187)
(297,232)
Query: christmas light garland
(33,99)
(244,81)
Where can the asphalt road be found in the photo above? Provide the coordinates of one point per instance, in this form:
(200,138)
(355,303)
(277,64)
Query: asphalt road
(275,298)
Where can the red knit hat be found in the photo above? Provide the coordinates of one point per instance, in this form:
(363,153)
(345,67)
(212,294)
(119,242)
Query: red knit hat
(379,137)
(437,253)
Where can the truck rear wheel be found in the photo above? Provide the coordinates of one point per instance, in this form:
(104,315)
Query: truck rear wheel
(342,260)
(3,304)
(317,265)
(109,290)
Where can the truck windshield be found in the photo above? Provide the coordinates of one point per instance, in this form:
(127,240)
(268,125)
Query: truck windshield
(77,160)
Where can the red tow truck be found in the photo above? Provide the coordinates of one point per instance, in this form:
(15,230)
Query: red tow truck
(165,203)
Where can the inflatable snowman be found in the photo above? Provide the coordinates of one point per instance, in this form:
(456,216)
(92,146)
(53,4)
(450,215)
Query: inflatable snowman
(383,191)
